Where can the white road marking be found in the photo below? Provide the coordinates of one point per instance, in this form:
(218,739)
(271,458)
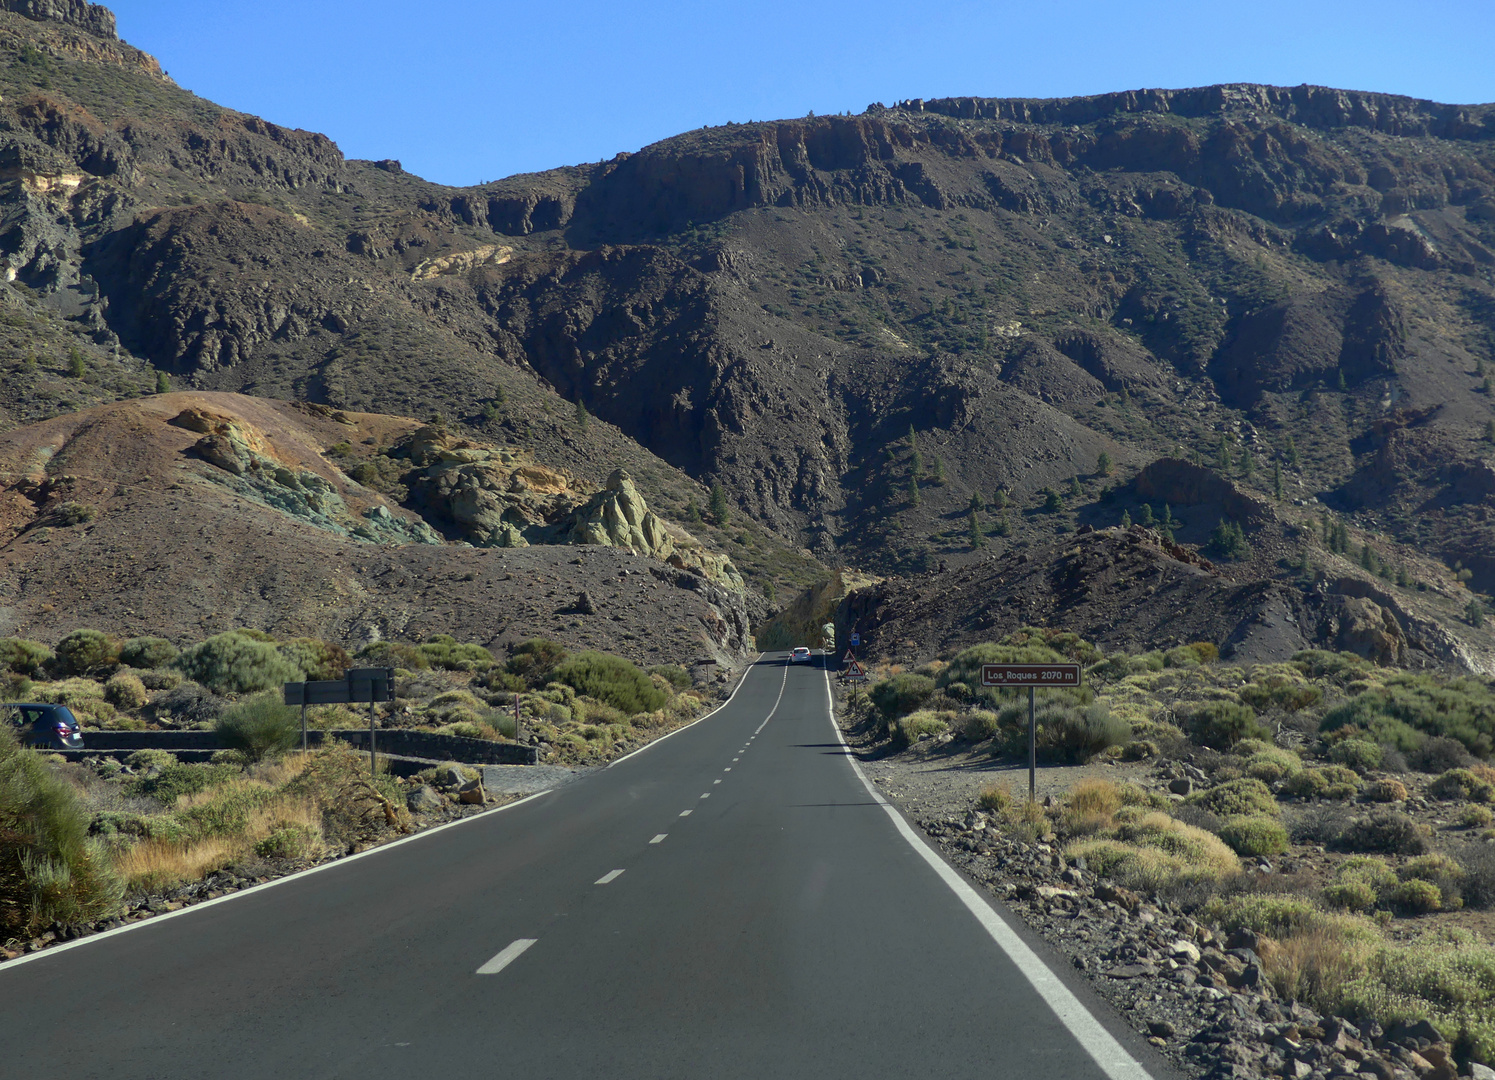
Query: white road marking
(156,920)
(706,795)
(716,781)
(611,875)
(729,768)
(693,723)
(659,838)
(1099,1043)
(511,952)
(685,813)
(736,759)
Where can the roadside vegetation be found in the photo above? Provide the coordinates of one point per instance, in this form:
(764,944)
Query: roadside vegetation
(1341,811)
(88,842)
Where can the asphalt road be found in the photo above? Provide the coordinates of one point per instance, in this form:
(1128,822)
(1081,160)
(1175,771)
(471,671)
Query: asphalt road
(730,902)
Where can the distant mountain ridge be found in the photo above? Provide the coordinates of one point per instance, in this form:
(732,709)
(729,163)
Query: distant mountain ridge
(898,340)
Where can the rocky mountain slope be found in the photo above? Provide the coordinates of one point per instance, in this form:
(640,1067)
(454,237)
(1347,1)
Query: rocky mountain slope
(894,339)
(187,514)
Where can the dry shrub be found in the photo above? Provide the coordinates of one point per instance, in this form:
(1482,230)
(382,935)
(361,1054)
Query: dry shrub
(994,797)
(1091,807)
(1386,790)
(160,864)
(124,690)
(1317,963)
(1154,852)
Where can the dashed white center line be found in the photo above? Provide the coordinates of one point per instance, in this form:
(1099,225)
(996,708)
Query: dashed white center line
(508,955)
(659,838)
(716,781)
(685,813)
(736,759)
(707,795)
(727,769)
(611,875)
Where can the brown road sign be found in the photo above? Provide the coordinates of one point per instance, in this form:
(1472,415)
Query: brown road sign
(1035,675)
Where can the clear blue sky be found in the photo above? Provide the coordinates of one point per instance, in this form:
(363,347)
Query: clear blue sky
(462,92)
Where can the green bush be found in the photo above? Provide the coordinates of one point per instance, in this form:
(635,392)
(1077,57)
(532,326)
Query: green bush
(1462,785)
(673,674)
(444,651)
(82,651)
(1416,897)
(236,662)
(1384,830)
(1237,798)
(1358,754)
(1220,724)
(534,660)
(177,779)
(1462,709)
(395,654)
(260,726)
(145,760)
(51,870)
(1323,782)
(921,724)
(124,690)
(147,653)
(1078,734)
(288,842)
(1272,764)
(1351,895)
(901,694)
(317,660)
(612,680)
(1254,835)
(30,658)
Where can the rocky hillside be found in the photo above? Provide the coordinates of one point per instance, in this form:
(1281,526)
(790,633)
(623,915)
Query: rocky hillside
(894,339)
(187,514)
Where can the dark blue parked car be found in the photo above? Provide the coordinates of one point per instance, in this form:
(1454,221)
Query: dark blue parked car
(51,727)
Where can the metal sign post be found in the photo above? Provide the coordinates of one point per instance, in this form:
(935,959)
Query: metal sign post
(1032,676)
(358,685)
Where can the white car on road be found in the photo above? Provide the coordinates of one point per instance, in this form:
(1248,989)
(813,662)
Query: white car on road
(801,655)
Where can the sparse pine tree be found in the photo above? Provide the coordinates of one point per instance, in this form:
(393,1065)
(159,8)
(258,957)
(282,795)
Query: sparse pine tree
(1328,529)
(1229,541)
(915,466)
(1248,463)
(1168,522)
(913,491)
(1003,527)
(973,526)
(1292,452)
(1052,503)
(1342,538)
(1000,499)
(720,512)
(692,512)
(1479,369)
(770,592)
(1342,386)
(1103,464)
(1402,577)
(1126,520)
(1075,490)
(1222,454)
(1146,517)
(913,438)
(937,474)
(1487,387)
(977,502)
(1367,558)
(29,363)
(582,416)
(1277,479)
(1474,612)
(76,368)
(163,383)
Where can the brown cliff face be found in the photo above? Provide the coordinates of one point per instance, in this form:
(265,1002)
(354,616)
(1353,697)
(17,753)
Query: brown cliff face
(863,327)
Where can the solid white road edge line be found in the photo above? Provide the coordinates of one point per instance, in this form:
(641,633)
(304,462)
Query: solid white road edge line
(745,672)
(1099,1043)
(156,920)
(610,876)
(511,952)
